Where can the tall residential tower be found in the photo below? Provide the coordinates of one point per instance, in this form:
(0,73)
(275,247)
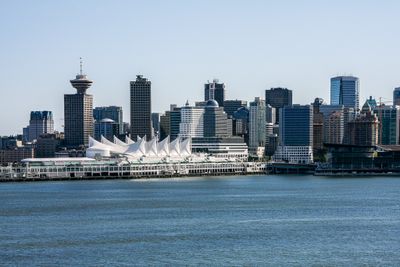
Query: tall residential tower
(141,108)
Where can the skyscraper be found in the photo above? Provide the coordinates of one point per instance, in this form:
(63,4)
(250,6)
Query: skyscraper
(396,96)
(111,112)
(216,122)
(141,108)
(278,98)
(40,122)
(215,90)
(78,112)
(192,122)
(257,122)
(295,134)
(345,91)
(318,126)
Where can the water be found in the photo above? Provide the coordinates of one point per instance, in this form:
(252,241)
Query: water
(260,220)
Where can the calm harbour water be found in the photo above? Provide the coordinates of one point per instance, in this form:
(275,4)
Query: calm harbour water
(260,220)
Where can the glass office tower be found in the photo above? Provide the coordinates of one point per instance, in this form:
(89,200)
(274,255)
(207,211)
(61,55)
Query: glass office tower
(345,91)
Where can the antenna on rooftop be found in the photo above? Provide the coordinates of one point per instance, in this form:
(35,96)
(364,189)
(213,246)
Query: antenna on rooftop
(80,63)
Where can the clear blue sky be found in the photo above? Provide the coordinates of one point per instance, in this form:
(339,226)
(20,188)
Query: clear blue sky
(179,45)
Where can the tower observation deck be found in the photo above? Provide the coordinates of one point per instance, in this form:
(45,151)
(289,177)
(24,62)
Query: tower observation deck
(81,83)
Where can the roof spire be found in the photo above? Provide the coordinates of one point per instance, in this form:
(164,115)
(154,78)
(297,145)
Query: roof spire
(80,63)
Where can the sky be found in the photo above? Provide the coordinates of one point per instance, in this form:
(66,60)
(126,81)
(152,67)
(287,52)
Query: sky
(179,45)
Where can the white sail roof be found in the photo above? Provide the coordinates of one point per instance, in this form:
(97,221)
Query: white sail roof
(163,147)
(174,148)
(129,141)
(119,142)
(186,147)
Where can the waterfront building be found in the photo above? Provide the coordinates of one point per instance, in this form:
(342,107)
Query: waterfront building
(140,96)
(215,90)
(396,96)
(295,134)
(329,129)
(47,145)
(257,121)
(78,112)
(278,98)
(233,147)
(231,106)
(216,122)
(40,122)
(111,112)
(16,154)
(389,118)
(345,91)
(364,129)
(192,121)
(318,126)
(107,128)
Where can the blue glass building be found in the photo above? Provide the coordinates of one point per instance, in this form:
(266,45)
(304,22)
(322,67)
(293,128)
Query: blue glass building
(345,91)
(296,125)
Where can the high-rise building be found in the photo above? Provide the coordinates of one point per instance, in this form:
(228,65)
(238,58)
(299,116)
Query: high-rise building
(78,112)
(295,134)
(230,106)
(40,122)
(216,122)
(107,128)
(278,98)
(396,96)
(318,126)
(174,122)
(334,128)
(215,90)
(389,117)
(257,122)
(112,112)
(47,144)
(345,91)
(364,129)
(192,122)
(327,110)
(164,126)
(141,108)
(240,123)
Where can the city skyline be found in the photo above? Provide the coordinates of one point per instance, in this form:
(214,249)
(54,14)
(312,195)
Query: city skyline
(270,53)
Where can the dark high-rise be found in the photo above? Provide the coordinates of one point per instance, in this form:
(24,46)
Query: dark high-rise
(231,106)
(141,108)
(78,113)
(215,90)
(278,98)
(216,122)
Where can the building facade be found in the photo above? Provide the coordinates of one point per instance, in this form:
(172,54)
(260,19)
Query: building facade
(295,134)
(257,123)
(345,91)
(231,106)
(78,113)
(111,112)
(140,96)
(396,96)
(389,118)
(40,122)
(278,98)
(192,122)
(215,90)
(216,122)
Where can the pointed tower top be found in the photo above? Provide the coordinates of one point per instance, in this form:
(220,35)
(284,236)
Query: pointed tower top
(81,63)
